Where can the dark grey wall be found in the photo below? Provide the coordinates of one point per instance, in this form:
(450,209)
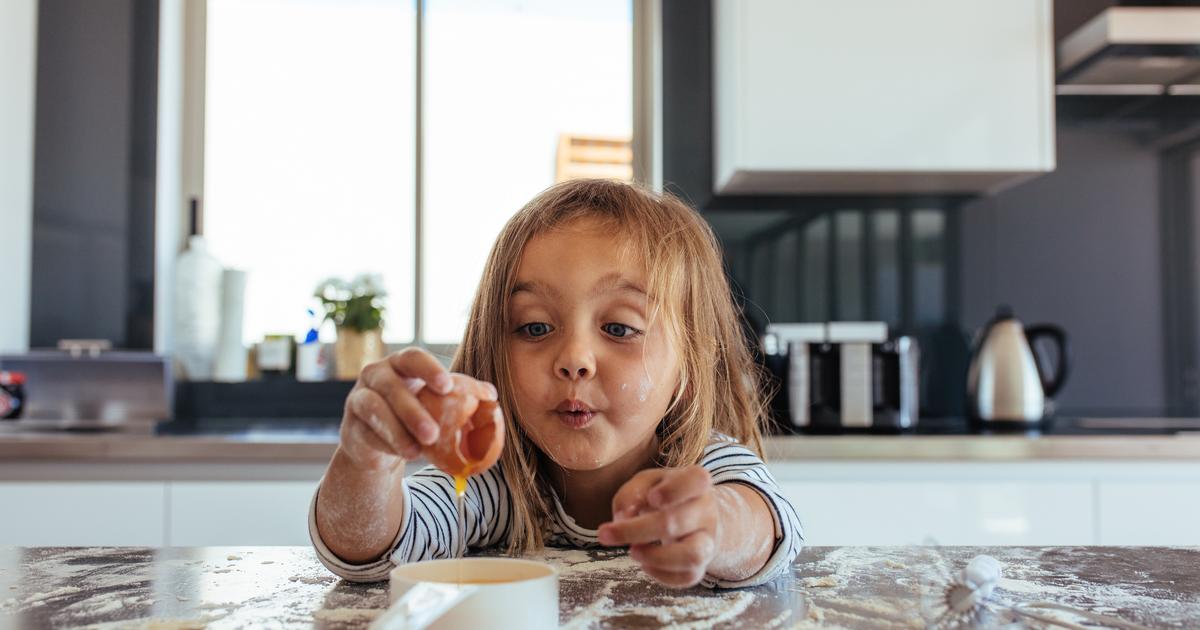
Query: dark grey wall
(1079,248)
(94,172)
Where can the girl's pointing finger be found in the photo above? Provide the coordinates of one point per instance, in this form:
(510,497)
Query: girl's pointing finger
(678,486)
(659,525)
(694,551)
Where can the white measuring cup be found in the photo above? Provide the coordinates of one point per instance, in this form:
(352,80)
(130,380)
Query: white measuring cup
(493,593)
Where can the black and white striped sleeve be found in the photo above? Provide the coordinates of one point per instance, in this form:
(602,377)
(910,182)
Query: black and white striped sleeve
(730,462)
(429,528)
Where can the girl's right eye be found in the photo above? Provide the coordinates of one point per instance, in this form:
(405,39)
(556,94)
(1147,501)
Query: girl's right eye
(535,329)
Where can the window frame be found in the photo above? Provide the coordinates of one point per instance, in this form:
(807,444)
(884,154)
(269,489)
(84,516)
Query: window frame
(182,73)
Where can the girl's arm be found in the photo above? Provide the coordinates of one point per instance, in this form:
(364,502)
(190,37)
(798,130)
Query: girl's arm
(747,527)
(358,508)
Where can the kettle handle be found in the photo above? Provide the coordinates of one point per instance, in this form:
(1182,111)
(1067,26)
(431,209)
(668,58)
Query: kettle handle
(1060,339)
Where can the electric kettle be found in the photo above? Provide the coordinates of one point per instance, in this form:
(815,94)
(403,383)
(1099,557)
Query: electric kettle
(1006,381)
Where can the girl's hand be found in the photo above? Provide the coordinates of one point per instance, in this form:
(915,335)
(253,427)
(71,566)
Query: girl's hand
(383,423)
(668,517)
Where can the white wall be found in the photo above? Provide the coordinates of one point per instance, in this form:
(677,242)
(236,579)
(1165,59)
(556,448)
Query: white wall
(18,62)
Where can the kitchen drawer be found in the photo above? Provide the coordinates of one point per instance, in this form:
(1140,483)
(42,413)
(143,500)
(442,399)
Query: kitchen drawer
(1147,512)
(239,513)
(860,512)
(82,513)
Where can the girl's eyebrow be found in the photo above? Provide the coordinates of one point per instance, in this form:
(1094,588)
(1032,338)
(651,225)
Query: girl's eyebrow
(534,287)
(613,281)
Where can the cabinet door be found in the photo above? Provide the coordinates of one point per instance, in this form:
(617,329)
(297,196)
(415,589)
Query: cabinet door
(82,513)
(1149,513)
(948,513)
(239,513)
(820,96)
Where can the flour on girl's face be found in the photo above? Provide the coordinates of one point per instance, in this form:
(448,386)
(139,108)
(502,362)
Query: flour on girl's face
(644,388)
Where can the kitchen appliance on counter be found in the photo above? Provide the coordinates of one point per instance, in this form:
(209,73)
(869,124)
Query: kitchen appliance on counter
(1007,382)
(92,390)
(842,375)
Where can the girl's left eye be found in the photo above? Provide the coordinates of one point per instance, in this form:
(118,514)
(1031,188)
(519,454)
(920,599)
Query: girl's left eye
(535,329)
(620,330)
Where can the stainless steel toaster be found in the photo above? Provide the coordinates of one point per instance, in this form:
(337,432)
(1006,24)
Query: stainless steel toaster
(843,375)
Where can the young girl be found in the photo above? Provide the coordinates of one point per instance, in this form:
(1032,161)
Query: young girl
(605,328)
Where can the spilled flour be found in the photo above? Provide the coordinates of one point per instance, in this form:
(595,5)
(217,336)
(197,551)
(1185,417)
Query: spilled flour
(608,589)
(879,588)
(898,587)
(679,612)
(346,614)
(103,588)
(312,579)
(155,623)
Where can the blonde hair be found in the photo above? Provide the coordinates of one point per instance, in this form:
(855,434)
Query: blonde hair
(720,386)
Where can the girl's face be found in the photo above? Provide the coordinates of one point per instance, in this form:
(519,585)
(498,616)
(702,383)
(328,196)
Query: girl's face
(591,378)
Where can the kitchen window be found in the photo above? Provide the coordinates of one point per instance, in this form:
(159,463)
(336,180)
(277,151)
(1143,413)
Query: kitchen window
(326,152)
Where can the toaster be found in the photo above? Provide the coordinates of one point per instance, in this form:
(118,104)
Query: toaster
(837,376)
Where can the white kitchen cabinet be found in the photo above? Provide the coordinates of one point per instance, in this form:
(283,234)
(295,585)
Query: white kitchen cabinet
(82,513)
(812,96)
(1163,512)
(1082,502)
(947,512)
(239,513)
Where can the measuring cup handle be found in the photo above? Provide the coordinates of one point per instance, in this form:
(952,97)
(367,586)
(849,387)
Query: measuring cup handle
(421,605)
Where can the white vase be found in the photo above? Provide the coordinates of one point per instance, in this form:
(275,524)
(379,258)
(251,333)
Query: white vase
(197,309)
(230,363)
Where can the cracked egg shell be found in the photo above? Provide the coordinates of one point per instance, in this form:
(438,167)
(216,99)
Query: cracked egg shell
(471,432)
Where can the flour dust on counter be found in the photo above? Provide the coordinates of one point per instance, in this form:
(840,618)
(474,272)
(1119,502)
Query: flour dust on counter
(182,588)
(1156,587)
(607,589)
(856,588)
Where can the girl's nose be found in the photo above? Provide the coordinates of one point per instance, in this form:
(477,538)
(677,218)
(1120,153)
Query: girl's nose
(575,363)
(580,372)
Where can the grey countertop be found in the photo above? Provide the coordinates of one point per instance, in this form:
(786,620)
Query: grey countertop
(847,587)
(300,446)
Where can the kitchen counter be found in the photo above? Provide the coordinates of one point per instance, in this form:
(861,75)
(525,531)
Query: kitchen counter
(848,587)
(316,445)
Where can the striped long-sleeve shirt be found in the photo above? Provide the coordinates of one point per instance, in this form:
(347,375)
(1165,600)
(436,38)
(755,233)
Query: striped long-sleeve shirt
(430,529)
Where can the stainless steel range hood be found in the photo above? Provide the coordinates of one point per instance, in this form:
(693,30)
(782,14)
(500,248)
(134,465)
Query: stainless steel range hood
(1133,50)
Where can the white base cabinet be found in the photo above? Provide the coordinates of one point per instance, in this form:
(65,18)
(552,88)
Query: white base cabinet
(1164,512)
(38,513)
(155,514)
(840,503)
(1018,503)
(222,513)
(945,512)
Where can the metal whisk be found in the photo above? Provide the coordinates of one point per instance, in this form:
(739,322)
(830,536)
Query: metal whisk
(966,600)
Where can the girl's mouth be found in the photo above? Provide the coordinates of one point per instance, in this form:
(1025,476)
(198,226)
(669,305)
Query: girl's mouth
(576,419)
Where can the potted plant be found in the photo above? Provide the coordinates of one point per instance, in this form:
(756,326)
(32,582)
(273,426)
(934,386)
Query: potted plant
(356,308)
